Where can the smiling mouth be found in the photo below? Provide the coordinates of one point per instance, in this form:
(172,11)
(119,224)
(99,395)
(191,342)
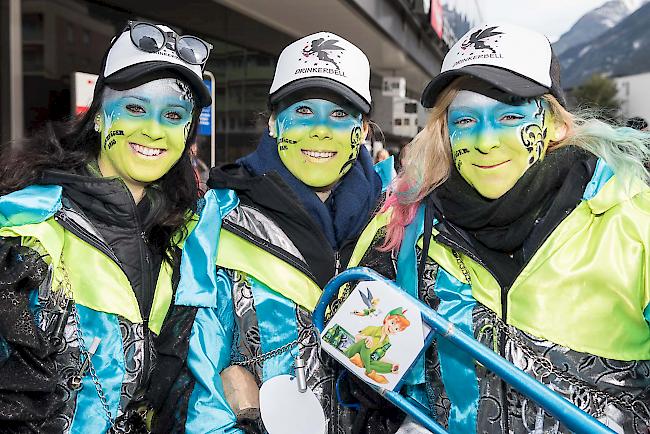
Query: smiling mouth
(491,166)
(319,155)
(146,152)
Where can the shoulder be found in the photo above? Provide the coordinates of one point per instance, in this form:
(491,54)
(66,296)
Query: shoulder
(33,204)
(608,192)
(217,203)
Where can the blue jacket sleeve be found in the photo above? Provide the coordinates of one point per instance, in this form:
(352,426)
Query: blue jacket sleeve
(202,286)
(209,354)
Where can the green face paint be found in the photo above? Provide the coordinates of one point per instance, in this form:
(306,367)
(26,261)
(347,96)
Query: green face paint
(318,140)
(493,143)
(144,129)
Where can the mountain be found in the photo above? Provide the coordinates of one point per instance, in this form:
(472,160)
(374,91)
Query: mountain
(596,22)
(621,50)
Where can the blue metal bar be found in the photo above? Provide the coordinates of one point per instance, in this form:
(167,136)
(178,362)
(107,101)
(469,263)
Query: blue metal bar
(571,416)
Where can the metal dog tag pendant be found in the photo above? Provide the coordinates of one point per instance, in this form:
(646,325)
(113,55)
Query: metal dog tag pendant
(287,410)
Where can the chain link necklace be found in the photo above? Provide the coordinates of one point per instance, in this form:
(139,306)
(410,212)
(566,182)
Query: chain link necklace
(76,380)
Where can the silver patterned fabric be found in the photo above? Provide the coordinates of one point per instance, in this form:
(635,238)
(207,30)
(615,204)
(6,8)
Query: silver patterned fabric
(320,372)
(259,225)
(67,359)
(615,392)
(68,362)
(133,341)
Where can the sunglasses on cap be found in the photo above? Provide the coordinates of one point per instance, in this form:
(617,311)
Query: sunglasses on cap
(151,39)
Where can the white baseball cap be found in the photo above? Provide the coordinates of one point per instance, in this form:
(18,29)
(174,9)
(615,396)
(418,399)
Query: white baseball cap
(127,65)
(323,60)
(515,60)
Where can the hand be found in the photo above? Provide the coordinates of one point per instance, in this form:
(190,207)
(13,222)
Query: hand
(368,341)
(395,368)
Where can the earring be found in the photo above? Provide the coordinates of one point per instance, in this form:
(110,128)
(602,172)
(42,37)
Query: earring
(96,127)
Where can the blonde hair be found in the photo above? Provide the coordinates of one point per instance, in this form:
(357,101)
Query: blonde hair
(427,160)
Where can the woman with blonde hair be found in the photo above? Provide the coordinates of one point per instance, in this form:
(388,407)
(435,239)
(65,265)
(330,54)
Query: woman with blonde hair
(536,225)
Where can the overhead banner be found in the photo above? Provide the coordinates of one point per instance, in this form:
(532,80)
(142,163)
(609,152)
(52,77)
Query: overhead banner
(436,17)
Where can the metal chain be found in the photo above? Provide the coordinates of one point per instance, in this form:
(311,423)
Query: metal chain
(463,268)
(542,368)
(268,355)
(67,288)
(545,366)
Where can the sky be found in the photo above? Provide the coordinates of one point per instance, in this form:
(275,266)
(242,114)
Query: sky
(551,17)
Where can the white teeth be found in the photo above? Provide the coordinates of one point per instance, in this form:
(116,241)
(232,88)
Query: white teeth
(149,152)
(316,154)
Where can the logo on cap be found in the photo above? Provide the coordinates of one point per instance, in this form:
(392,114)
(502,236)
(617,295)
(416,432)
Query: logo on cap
(323,49)
(477,39)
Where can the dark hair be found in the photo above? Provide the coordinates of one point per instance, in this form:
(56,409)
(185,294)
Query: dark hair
(71,145)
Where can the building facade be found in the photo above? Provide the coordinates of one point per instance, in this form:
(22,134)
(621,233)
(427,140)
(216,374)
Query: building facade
(44,42)
(634,94)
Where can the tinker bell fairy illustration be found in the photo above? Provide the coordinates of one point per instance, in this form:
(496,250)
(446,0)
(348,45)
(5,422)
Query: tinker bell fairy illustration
(371,305)
(372,343)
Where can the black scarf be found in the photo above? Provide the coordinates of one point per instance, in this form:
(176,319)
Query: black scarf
(507,231)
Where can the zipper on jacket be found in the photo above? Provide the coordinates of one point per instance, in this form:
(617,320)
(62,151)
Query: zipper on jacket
(337,262)
(149,304)
(87,236)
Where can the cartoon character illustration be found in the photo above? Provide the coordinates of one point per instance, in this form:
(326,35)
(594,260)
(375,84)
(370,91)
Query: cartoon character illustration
(371,303)
(320,47)
(372,343)
(478,39)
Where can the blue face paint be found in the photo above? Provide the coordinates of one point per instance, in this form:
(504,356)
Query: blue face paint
(493,143)
(318,140)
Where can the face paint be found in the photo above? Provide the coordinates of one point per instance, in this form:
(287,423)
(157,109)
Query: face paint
(494,143)
(144,129)
(318,140)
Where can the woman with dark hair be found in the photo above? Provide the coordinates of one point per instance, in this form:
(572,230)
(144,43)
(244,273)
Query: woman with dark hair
(528,227)
(92,216)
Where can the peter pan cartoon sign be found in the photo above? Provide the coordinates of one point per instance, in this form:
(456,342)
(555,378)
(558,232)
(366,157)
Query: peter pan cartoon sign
(377,333)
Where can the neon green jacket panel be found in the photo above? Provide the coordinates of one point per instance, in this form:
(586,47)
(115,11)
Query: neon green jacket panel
(587,286)
(88,270)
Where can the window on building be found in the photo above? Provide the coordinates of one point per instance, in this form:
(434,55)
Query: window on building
(398,122)
(410,107)
(33,27)
(69,34)
(33,58)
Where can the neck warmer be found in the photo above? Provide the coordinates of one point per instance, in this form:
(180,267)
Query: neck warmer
(345,212)
(511,228)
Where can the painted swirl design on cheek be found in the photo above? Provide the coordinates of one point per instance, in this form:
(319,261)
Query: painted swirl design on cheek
(534,136)
(355,142)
